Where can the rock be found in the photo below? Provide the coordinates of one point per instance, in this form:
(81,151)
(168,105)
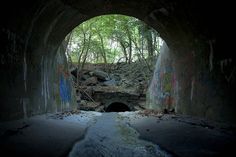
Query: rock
(115,77)
(90,81)
(101,75)
(90,106)
(83,103)
(110,83)
(100,108)
(85,77)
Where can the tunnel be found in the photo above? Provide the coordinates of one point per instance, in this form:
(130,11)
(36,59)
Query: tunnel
(201,77)
(117,107)
(34,71)
(32,51)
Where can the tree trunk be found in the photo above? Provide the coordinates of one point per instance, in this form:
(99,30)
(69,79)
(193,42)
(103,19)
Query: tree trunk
(86,53)
(149,43)
(102,48)
(79,60)
(124,50)
(130,45)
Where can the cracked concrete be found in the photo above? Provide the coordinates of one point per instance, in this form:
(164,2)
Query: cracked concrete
(115,134)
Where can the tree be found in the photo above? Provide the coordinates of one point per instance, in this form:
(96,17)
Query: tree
(110,38)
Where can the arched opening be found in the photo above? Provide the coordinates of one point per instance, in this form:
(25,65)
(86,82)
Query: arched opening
(112,55)
(117,107)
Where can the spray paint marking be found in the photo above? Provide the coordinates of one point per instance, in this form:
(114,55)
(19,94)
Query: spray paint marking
(192,88)
(25,72)
(211,56)
(65,91)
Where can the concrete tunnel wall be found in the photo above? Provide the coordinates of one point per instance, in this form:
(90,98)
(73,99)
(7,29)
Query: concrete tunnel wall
(34,30)
(179,84)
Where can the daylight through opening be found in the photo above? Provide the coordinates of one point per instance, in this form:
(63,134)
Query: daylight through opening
(112,57)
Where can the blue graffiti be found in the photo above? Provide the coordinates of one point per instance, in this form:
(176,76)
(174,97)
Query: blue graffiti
(65,90)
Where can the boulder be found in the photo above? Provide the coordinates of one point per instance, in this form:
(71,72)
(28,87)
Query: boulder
(112,82)
(101,75)
(90,81)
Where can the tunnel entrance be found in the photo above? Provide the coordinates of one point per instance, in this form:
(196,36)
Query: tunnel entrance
(102,69)
(117,107)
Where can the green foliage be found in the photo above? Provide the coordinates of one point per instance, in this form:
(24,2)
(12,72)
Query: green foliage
(109,38)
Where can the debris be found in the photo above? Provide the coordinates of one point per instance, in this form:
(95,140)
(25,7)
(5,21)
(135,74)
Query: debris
(90,81)
(100,75)
(150,112)
(100,82)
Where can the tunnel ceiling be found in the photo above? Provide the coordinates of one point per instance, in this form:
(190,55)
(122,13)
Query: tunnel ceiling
(177,22)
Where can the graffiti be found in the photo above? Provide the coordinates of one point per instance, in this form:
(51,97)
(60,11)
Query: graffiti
(166,82)
(25,72)
(163,90)
(11,57)
(45,80)
(61,70)
(230,77)
(174,80)
(158,12)
(12,48)
(65,90)
(192,88)
(211,56)
(64,84)
(227,69)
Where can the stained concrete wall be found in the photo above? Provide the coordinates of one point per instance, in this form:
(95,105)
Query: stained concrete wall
(193,83)
(34,72)
(33,85)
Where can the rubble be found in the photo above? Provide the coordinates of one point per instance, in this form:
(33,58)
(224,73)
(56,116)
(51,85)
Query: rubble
(121,81)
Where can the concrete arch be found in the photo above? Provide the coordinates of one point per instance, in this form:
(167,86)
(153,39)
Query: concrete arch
(32,33)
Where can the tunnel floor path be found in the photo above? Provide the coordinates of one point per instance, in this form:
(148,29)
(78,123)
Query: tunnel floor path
(110,136)
(123,134)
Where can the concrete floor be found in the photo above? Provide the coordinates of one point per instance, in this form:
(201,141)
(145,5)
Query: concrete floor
(115,134)
(186,136)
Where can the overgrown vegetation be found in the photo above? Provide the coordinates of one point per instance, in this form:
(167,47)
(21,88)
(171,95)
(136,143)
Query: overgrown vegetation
(112,39)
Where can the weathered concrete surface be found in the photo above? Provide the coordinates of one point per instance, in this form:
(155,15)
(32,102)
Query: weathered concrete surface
(205,70)
(47,87)
(109,136)
(42,135)
(181,82)
(115,134)
(184,136)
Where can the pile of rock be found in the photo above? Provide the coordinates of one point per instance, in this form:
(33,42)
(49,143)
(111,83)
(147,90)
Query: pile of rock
(110,78)
(134,75)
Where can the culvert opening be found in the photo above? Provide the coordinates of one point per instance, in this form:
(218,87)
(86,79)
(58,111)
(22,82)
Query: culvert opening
(117,107)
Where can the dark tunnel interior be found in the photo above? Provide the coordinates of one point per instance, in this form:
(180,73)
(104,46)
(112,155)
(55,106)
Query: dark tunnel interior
(117,107)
